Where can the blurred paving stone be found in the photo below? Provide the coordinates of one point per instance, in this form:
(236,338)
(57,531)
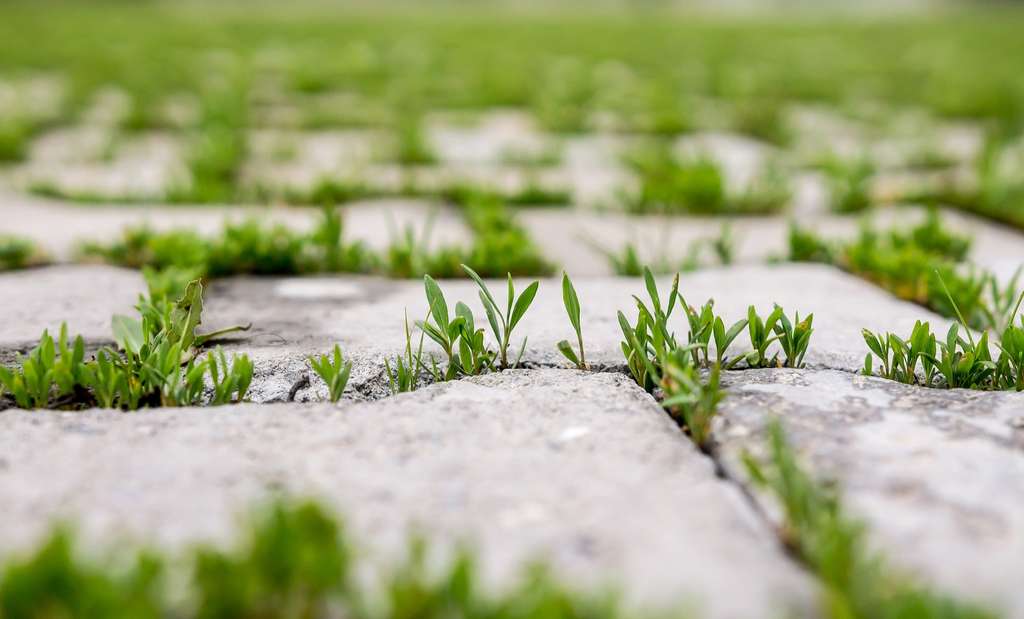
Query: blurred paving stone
(61,227)
(937,474)
(579,241)
(83,296)
(583,469)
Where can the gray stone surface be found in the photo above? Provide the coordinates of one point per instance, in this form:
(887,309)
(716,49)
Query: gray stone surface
(938,475)
(83,296)
(297,317)
(583,469)
(579,240)
(60,227)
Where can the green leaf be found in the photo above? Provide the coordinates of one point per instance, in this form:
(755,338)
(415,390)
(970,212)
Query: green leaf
(485,292)
(492,318)
(566,349)
(435,299)
(652,290)
(128,333)
(523,304)
(571,302)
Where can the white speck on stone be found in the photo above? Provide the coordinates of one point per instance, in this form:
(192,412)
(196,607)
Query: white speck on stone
(317,288)
(572,433)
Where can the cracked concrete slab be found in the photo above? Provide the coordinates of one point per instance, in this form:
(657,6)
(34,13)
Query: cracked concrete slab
(294,318)
(583,469)
(938,475)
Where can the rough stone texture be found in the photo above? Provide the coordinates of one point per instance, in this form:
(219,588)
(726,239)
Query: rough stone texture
(583,469)
(297,317)
(937,474)
(83,296)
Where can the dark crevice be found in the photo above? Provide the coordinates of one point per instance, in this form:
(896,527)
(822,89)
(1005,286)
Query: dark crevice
(711,451)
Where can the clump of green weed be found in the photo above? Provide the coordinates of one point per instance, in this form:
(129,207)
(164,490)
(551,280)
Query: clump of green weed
(562,99)
(669,184)
(793,337)
(329,191)
(657,360)
(18,253)
(500,245)
(502,323)
(218,148)
(910,262)
(412,147)
(849,183)
(458,337)
(764,119)
(900,358)
(156,363)
(956,361)
(334,371)
(14,138)
(691,398)
(247,247)
(410,256)
(404,370)
(805,246)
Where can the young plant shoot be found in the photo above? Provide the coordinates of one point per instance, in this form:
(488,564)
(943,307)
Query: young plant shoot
(572,308)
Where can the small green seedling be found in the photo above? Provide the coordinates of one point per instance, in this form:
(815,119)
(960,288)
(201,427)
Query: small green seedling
(334,371)
(692,400)
(963,363)
(474,358)
(503,324)
(794,338)
(403,373)
(636,350)
(1010,366)
(572,308)
(702,326)
(52,370)
(442,330)
(724,338)
(900,358)
(230,380)
(762,335)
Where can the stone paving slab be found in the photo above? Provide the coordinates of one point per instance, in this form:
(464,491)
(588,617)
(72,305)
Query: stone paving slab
(60,227)
(83,296)
(294,318)
(938,475)
(579,240)
(581,468)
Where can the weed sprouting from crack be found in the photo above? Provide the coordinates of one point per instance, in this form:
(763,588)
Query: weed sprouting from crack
(156,363)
